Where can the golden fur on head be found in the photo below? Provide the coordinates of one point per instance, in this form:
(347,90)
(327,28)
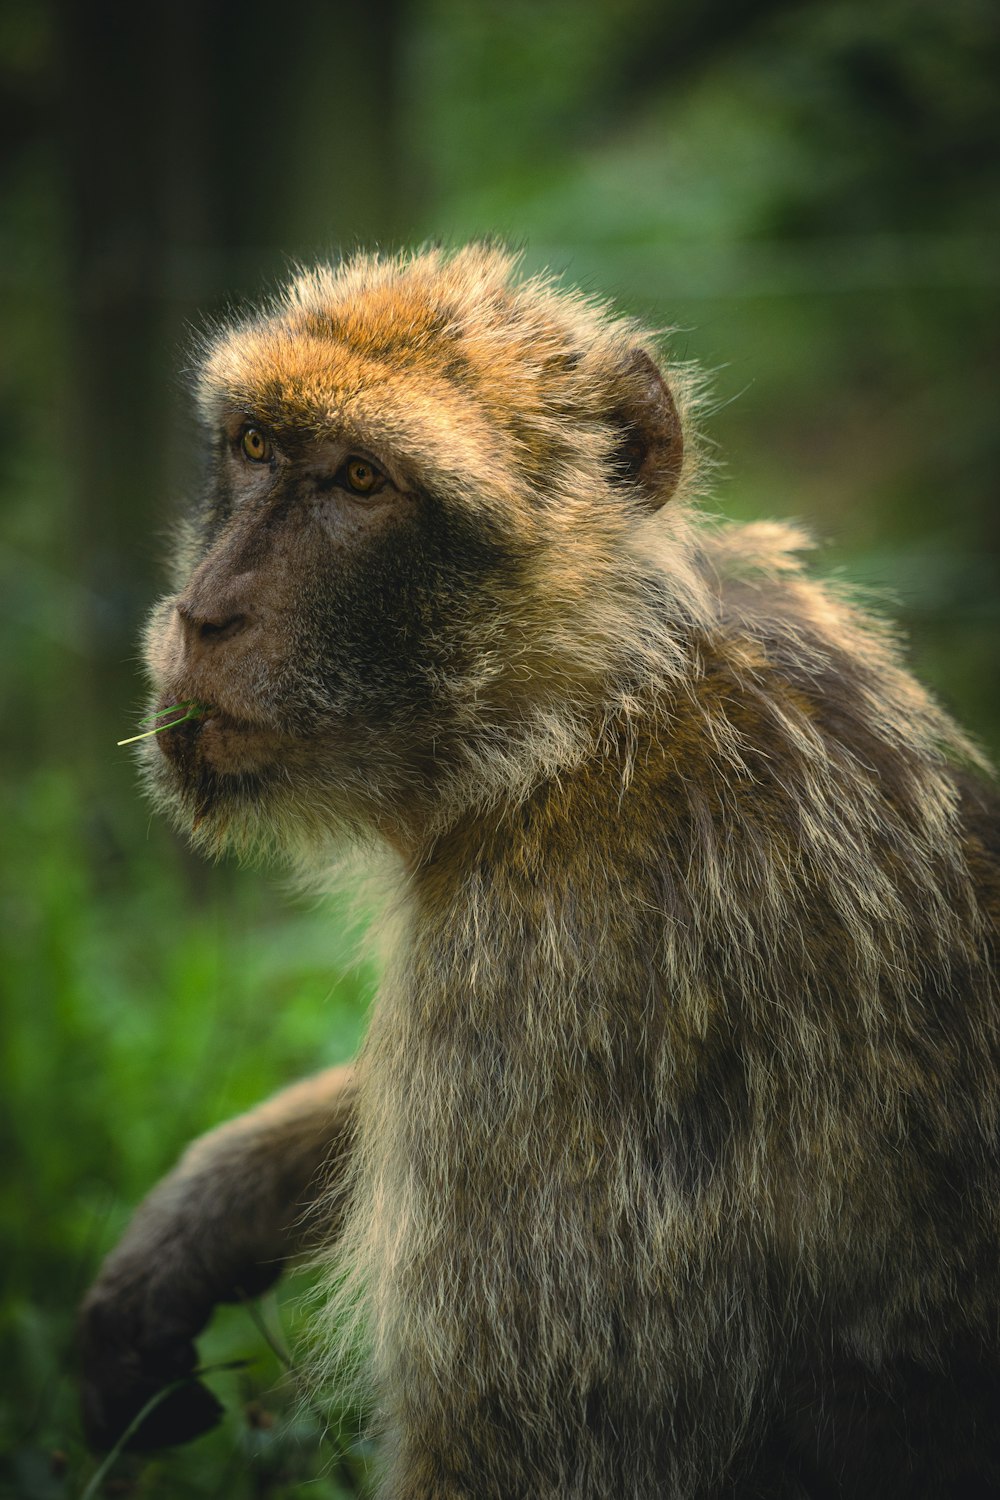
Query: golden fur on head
(473,378)
(688,1026)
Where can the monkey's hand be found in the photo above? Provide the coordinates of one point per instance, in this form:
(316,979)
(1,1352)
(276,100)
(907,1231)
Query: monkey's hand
(218,1228)
(154,1294)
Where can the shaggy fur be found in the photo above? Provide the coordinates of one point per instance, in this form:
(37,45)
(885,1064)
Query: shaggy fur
(675,1170)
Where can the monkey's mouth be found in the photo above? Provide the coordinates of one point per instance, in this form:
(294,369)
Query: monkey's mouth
(216,741)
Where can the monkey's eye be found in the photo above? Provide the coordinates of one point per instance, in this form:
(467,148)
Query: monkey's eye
(361,477)
(255,446)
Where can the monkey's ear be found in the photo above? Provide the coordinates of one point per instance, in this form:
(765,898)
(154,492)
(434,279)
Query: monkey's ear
(649,450)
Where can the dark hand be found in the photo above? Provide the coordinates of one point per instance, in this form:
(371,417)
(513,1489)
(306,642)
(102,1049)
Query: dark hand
(138,1323)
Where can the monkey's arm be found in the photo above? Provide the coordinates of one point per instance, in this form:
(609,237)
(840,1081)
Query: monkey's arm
(219,1226)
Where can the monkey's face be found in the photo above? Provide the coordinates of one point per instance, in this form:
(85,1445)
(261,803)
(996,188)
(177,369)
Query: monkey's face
(324,634)
(395,562)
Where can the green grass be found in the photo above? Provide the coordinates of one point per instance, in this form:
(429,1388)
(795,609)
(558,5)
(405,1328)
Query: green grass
(187,711)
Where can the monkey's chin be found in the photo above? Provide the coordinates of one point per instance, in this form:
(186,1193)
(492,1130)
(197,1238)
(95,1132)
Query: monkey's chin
(219,780)
(268,795)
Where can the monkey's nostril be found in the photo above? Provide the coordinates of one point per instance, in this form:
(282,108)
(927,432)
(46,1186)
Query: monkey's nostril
(220,630)
(210,629)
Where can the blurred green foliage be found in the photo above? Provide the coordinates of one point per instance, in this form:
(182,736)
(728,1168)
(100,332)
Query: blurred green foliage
(808,194)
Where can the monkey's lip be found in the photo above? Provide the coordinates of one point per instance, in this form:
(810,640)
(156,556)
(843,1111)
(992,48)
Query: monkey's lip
(222,741)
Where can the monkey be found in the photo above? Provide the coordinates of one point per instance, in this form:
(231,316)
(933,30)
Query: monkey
(668,1165)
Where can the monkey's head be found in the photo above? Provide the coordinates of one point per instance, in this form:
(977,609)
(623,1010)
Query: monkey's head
(405,577)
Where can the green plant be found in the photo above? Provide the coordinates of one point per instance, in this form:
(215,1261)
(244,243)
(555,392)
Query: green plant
(189,710)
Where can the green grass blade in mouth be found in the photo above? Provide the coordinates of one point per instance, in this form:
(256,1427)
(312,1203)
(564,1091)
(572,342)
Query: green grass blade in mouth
(190,710)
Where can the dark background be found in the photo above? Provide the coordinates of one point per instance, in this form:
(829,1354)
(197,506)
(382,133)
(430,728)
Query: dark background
(807,193)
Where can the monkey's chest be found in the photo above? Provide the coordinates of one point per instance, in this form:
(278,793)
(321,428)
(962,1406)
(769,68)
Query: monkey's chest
(526,1242)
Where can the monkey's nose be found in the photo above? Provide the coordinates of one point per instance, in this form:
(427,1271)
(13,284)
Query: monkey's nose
(209,627)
